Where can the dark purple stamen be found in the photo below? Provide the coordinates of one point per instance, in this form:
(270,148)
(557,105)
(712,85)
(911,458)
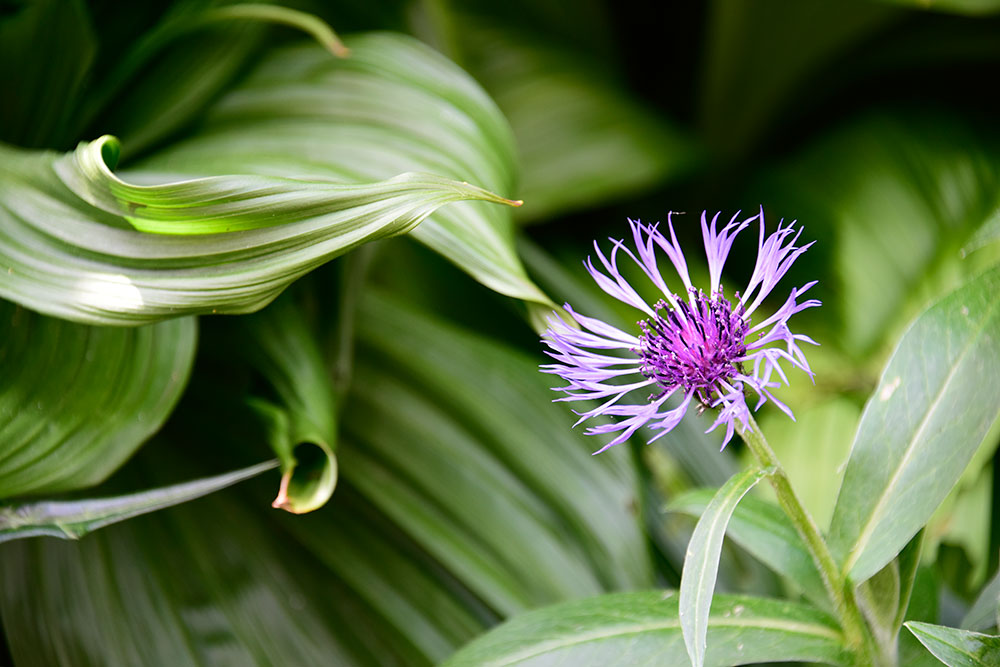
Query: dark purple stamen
(695,345)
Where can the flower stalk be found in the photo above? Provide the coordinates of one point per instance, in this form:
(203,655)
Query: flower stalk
(856,632)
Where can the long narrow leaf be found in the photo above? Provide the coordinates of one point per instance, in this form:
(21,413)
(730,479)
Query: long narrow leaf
(76,401)
(701,565)
(765,532)
(72,519)
(936,400)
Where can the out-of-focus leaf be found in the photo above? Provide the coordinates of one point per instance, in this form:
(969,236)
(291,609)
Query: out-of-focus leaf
(62,257)
(701,565)
(76,400)
(924,607)
(461,445)
(177,68)
(971,7)
(937,398)
(644,628)
(897,194)
(393,106)
(46,50)
(582,139)
(985,235)
(957,648)
(72,519)
(764,531)
(986,609)
(747,88)
(813,450)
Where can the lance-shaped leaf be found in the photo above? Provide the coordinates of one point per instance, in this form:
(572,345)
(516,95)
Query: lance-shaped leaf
(701,564)
(61,256)
(763,530)
(644,629)
(76,401)
(393,106)
(937,398)
(72,519)
(957,648)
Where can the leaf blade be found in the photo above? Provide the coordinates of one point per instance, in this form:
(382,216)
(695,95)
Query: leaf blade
(701,563)
(920,428)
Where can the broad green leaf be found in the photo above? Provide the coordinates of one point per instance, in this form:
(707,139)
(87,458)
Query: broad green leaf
(957,648)
(72,519)
(307,115)
(76,401)
(762,529)
(472,412)
(937,398)
(645,628)
(924,607)
(988,233)
(65,258)
(582,139)
(701,564)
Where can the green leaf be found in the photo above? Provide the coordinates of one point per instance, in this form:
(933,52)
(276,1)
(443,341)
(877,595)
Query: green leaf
(47,48)
(303,423)
(957,648)
(763,530)
(67,259)
(969,7)
(305,114)
(77,401)
(556,522)
(701,564)
(644,628)
(72,519)
(748,89)
(986,609)
(935,402)
(582,138)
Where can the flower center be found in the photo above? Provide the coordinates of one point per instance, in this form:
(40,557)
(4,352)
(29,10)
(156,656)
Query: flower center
(695,345)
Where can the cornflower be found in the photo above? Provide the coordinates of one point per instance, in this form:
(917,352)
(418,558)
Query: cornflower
(698,348)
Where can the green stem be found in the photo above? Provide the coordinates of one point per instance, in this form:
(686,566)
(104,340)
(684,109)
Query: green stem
(856,632)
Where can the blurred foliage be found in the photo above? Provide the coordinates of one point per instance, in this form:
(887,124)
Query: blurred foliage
(397,384)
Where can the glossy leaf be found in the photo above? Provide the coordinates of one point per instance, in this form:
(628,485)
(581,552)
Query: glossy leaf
(644,628)
(70,260)
(957,648)
(72,519)
(934,404)
(701,564)
(763,530)
(524,524)
(76,401)
(304,114)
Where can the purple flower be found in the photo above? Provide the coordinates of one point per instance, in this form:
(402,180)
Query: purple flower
(699,348)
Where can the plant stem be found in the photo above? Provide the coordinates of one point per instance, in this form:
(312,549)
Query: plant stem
(856,632)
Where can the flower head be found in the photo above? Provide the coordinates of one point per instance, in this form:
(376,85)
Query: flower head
(701,346)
